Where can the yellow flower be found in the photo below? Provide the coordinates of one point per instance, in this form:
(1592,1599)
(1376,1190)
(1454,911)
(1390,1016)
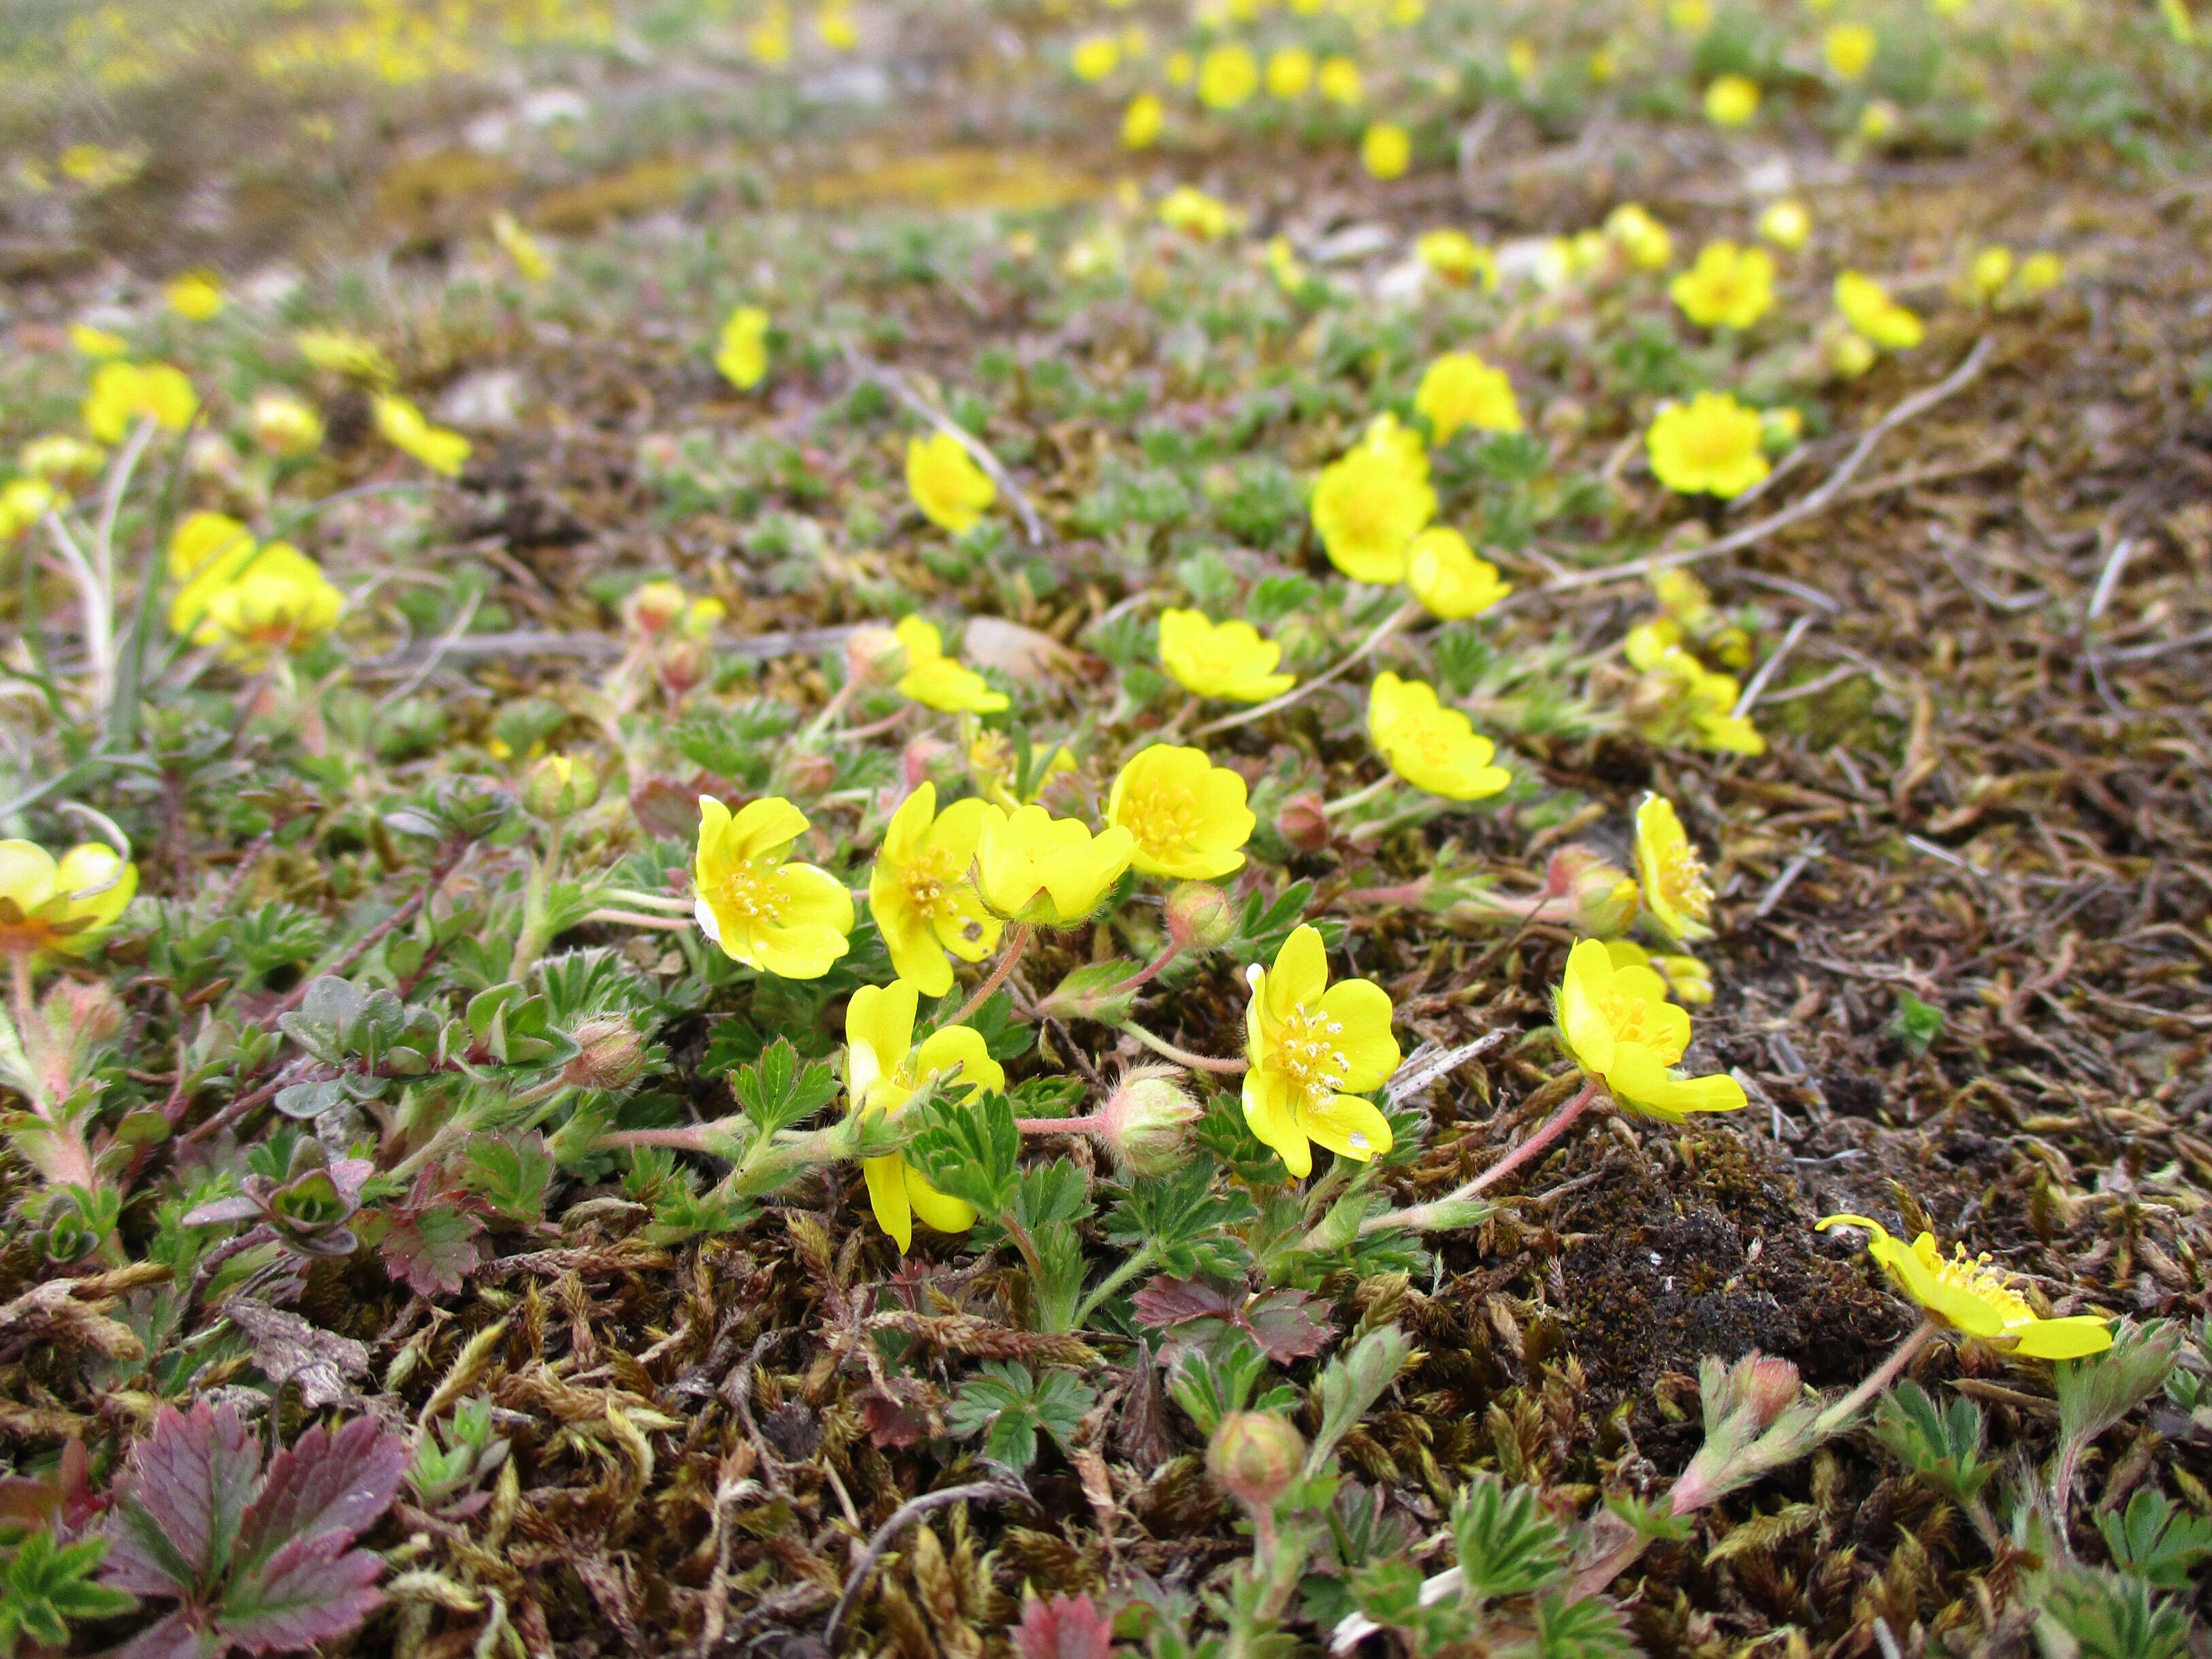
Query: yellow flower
(786,919)
(1368,507)
(1732,100)
(1851,354)
(833,23)
(993,762)
(49,908)
(769,39)
(97,342)
(1682,699)
(23,502)
(1990,273)
(531,262)
(1196,214)
(937,681)
(1431,747)
(1849,49)
(883,1072)
(259,602)
(1179,69)
(1142,120)
(1675,888)
(406,429)
(1689,981)
(946,484)
(1521,58)
(1283,265)
(741,352)
(1618,1026)
(1691,16)
(1448,577)
(60,457)
(1187,814)
(1973,1298)
(1338,80)
(1095,57)
(340,352)
(1459,389)
(1708,445)
(1386,150)
(1456,257)
(121,392)
(1869,309)
(1290,72)
(1786,224)
(922,893)
(1729,287)
(2039,273)
(1647,243)
(195,296)
(200,537)
(1226,77)
(283,424)
(1033,867)
(1315,1049)
(1229,662)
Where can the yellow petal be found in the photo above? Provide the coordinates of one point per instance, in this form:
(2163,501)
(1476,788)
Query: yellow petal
(1363,1009)
(1300,975)
(1347,1126)
(1270,1108)
(2074,1337)
(938,1210)
(878,1031)
(962,1046)
(887,1197)
(764,826)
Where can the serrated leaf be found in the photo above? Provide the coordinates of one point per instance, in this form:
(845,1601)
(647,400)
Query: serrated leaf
(190,1481)
(1065,1627)
(511,1173)
(1280,1321)
(323,1485)
(1940,1443)
(1508,1544)
(433,1251)
(1191,1228)
(970,1150)
(1049,1194)
(2156,1541)
(1591,1628)
(310,1590)
(776,1091)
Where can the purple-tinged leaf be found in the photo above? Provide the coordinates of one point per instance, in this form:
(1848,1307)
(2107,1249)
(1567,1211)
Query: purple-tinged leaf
(323,1485)
(237,1207)
(190,1481)
(1065,1627)
(1281,1321)
(432,1250)
(182,1635)
(311,1590)
(287,1348)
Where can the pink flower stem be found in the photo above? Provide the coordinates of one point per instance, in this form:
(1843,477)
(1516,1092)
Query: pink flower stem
(1090,1125)
(1146,975)
(1838,1416)
(1017,939)
(1528,1150)
(1406,892)
(1183,1056)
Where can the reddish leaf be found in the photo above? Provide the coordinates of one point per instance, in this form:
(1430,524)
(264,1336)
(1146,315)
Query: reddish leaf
(182,1635)
(432,1250)
(324,1486)
(312,1589)
(1065,1627)
(1281,1321)
(190,1481)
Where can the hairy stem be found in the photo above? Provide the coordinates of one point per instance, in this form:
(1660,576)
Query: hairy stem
(1183,1056)
(1016,941)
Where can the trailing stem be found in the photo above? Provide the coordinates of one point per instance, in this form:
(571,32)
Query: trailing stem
(1183,1056)
(1017,940)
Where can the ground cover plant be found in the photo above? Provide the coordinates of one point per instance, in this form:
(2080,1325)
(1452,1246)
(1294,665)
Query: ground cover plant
(1222,829)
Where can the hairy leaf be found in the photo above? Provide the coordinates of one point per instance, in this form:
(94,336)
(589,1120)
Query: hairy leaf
(1282,1322)
(433,1251)
(1508,1544)
(190,1481)
(1065,1627)
(323,1484)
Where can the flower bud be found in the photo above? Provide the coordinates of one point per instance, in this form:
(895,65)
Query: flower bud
(807,772)
(83,1013)
(874,656)
(283,424)
(1253,1456)
(652,608)
(1302,823)
(1145,1123)
(681,664)
(611,1054)
(1599,898)
(1200,916)
(559,785)
(933,760)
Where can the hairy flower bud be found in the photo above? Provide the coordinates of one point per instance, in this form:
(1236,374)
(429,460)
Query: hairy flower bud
(1253,1456)
(1145,1123)
(86,1014)
(1302,823)
(1764,1385)
(683,663)
(874,656)
(933,760)
(1200,916)
(1596,898)
(611,1054)
(559,785)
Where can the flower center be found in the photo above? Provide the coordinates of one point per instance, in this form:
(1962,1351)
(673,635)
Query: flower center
(1974,1275)
(1713,443)
(1684,878)
(1161,818)
(744,893)
(1305,1051)
(929,885)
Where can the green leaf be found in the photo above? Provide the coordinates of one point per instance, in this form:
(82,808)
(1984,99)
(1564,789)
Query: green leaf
(2096,1393)
(46,1585)
(2156,1541)
(511,1173)
(970,1150)
(1942,1444)
(1389,1592)
(777,1092)
(1049,1193)
(1004,1399)
(1508,1544)
(2115,1616)
(1210,1383)
(1189,1225)
(1588,1629)
(1352,1382)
